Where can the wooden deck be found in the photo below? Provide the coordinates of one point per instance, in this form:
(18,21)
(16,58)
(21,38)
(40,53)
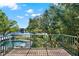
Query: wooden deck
(37,52)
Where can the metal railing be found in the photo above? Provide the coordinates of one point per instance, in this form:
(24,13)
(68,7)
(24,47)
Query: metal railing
(5,45)
(67,42)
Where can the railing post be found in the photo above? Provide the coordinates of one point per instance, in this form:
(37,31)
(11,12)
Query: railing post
(3,50)
(78,43)
(30,42)
(78,46)
(12,39)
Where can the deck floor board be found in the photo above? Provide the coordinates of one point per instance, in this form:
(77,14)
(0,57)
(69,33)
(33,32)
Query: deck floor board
(38,52)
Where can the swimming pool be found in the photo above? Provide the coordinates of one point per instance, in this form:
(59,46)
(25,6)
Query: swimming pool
(17,44)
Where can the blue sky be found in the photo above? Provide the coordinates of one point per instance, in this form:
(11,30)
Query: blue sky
(21,12)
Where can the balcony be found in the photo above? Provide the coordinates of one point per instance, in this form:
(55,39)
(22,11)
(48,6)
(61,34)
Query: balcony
(39,45)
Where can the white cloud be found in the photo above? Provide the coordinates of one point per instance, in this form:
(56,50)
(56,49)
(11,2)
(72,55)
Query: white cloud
(20,17)
(12,6)
(33,15)
(30,11)
(15,7)
(40,9)
(26,15)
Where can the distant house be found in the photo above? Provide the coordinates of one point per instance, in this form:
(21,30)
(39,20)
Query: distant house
(22,30)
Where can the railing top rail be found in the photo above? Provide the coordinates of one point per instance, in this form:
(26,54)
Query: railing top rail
(67,35)
(5,37)
(57,34)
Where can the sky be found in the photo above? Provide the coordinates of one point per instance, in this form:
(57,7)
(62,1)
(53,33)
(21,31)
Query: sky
(21,12)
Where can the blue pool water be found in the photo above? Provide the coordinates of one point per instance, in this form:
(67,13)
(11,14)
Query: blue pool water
(17,44)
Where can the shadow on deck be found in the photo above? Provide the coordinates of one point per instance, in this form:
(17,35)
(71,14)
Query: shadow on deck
(37,52)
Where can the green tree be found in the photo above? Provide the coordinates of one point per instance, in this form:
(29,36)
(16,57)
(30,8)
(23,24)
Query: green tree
(34,25)
(7,26)
(58,19)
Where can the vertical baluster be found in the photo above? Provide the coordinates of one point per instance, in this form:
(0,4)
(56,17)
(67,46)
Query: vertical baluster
(71,45)
(67,40)
(75,43)
(74,40)
(62,40)
(3,46)
(78,45)
(71,39)
(30,40)
(2,50)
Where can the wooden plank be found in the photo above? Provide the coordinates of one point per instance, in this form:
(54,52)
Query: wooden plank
(57,52)
(18,52)
(38,52)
